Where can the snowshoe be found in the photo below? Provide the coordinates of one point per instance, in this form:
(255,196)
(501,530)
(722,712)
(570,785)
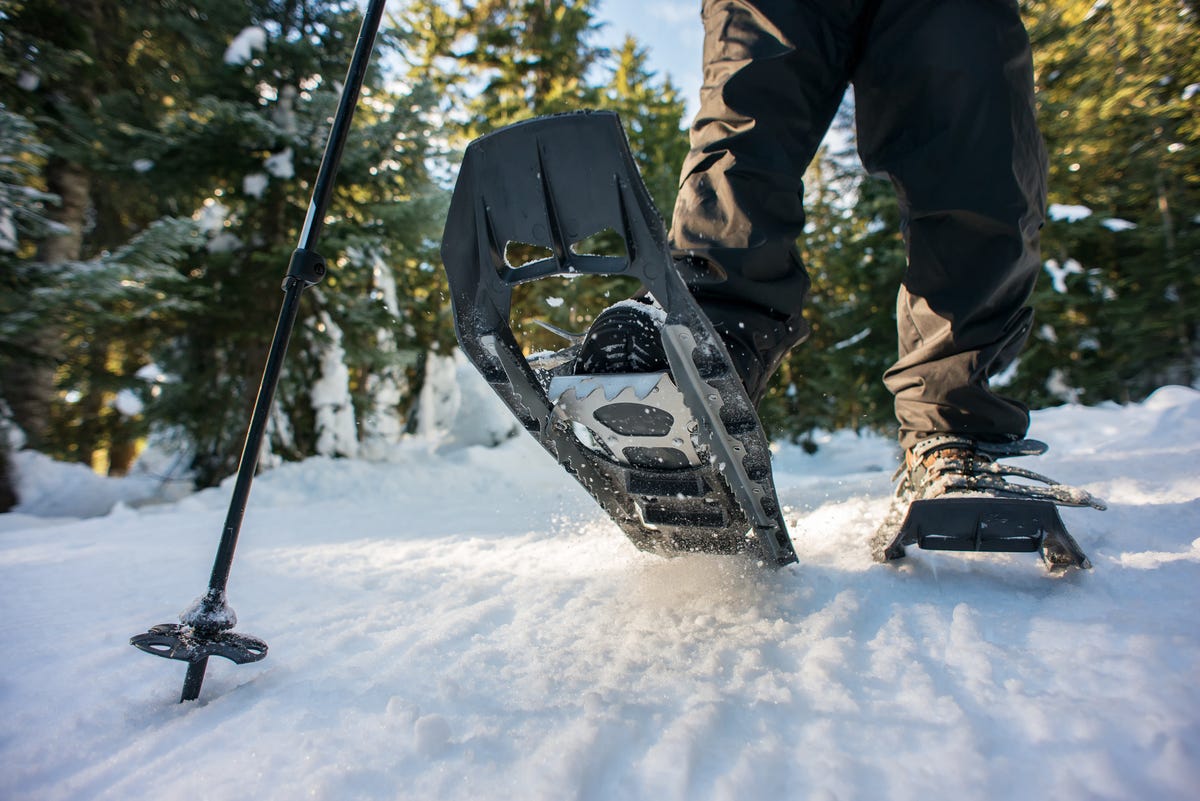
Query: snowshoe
(954,496)
(672,449)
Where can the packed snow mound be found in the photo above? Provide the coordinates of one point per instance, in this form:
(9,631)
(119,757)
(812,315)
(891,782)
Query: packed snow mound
(46,488)
(457,408)
(466,624)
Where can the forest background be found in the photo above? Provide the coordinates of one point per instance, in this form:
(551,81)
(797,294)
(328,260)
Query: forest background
(155,168)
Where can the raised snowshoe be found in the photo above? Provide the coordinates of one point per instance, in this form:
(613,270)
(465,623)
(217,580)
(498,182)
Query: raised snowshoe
(953,495)
(666,441)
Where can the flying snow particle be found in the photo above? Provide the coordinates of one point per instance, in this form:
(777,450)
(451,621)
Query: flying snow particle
(242,48)
(28,80)
(554,303)
(1117,224)
(143,165)
(1191,90)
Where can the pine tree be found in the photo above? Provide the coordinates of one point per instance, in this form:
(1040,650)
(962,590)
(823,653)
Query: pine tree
(22,222)
(1118,86)
(516,59)
(94,76)
(249,150)
(652,112)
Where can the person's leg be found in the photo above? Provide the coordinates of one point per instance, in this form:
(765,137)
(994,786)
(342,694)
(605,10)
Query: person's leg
(774,74)
(945,107)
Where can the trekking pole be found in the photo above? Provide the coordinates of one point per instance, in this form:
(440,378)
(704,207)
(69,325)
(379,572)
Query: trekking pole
(205,627)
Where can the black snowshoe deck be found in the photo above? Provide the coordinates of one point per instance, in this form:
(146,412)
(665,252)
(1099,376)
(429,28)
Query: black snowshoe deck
(686,470)
(972,523)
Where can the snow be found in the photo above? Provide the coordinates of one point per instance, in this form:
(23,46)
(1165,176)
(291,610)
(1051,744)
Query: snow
(224,242)
(255,184)
(1117,224)
(242,48)
(47,488)
(853,340)
(29,81)
(128,403)
(554,303)
(8,231)
(332,403)
(280,164)
(142,165)
(1058,274)
(211,216)
(457,408)
(464,623)
(1060,212)
(383,427)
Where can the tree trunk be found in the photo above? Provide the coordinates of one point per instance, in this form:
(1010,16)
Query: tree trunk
(8,492)
(29,383)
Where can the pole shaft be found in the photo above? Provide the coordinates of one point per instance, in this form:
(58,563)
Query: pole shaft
(255,434)
(194,680)
(323,188)
(293,287)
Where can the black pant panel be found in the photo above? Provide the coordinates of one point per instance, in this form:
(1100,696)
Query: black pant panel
(774,74)
(945,109)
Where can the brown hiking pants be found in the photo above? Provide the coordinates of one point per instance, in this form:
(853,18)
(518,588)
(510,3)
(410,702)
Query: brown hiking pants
(945,109)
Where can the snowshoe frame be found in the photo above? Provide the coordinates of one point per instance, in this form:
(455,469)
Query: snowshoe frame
(552,182)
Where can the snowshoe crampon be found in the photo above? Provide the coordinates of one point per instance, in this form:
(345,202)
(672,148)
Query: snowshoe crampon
(678,459)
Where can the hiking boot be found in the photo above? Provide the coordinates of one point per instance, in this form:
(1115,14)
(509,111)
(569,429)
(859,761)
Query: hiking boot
(624,338)
(627,338)
(945,464)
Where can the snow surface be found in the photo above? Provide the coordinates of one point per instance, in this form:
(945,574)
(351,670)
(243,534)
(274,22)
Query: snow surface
(465,624)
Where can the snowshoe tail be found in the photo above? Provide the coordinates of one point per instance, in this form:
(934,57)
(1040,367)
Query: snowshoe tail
(984,524)
(552,183)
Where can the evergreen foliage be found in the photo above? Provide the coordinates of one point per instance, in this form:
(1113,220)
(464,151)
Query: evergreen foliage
(155,168)
(513,60)
(1119,306)
(93,77)
(1118,84)
(252,148)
